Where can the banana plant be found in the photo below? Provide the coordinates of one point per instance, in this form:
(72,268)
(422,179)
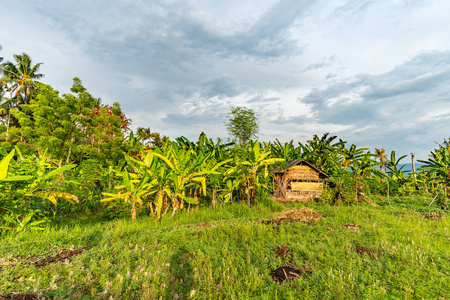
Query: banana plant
(159,185)
(439,163)
(215,170)
(439,166)
(351,156)
(397,173)
(22,223)
(188,168)
(43,185)
(132,191)
(227,192)
(246,169)
(184,165)
(4,168)
(362,166)
(286,151)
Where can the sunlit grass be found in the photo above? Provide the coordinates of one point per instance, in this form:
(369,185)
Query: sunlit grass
(232,256)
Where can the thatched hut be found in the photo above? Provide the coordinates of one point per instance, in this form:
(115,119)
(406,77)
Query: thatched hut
(301,180)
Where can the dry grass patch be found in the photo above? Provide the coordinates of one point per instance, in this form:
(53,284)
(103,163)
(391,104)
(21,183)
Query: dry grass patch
(301,214)
(351,227)
(21,296)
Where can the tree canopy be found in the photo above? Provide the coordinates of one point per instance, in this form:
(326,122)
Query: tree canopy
(242,124)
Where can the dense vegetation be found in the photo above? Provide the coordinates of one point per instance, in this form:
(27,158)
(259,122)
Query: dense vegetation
(63,156)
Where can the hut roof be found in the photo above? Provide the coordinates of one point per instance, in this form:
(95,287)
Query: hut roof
(301,162)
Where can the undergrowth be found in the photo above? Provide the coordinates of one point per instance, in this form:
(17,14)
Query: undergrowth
(228,253)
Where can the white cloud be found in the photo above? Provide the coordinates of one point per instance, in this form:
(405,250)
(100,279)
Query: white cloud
(373,72)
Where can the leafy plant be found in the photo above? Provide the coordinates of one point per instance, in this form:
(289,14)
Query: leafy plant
(22,223)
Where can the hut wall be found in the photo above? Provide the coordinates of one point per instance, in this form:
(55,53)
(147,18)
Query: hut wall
(303,195)
(306,186)
(302,172)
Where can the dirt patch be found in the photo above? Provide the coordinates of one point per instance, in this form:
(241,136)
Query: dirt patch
(288,272)
(202,225)
(351,227)
(432,216)
(109,227)
(301,214)
(283,251)
(329,228)
(21,296)
(61,256)
(372,253)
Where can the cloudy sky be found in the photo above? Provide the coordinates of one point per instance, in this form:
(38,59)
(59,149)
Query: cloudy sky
(374,73)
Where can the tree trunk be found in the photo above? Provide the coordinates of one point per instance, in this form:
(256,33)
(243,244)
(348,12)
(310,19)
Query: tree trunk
(133,212)
(214,198)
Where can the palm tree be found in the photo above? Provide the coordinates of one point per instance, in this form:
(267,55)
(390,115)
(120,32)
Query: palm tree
(144,134)
(21,76)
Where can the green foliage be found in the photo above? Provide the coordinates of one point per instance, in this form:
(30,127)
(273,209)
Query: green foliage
(21,77)
(227,253)
(27,188)
(69,128)
(242,124)
(438,167)
(22,223)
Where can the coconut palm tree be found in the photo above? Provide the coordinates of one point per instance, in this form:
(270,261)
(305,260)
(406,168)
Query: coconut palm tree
(22,76)
(144,134)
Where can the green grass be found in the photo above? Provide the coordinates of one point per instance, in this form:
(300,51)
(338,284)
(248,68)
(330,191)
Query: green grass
(232,260)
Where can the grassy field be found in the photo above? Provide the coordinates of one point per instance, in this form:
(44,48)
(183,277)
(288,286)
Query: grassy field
(354,252)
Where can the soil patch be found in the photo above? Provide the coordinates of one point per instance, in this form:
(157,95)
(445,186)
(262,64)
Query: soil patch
(288,272)
(21,296)
(61,256)
(351,227)
(432,216)
(301,214)
(109,227)
(361,250)
(202,225)
(284,251)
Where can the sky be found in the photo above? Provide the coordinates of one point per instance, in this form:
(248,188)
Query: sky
(374,73)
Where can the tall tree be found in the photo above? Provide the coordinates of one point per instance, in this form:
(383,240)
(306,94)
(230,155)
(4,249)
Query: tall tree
(21,79)
(70,128)
(144,134)
(21,76)
(242,124)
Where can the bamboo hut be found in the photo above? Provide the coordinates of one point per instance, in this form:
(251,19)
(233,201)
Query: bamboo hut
(301,180)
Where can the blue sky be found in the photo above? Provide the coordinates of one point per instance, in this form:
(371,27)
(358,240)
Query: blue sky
(374,73)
